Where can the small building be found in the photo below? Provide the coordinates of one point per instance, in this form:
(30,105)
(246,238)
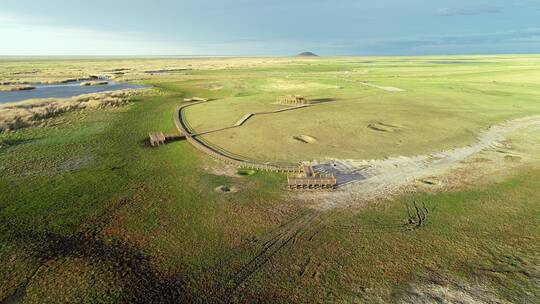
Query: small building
(293,100)
(311,180)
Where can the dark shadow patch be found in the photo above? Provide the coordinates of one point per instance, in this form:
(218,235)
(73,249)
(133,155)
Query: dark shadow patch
(9,143)
(132,270)
(168,139)
(322,100)
(144,143)
(342,178)
(136,277)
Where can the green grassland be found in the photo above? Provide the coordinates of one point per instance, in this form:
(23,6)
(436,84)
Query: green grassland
(445,103)
(89,213)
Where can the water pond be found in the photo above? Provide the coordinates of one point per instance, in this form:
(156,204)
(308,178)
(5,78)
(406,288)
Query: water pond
(64,90)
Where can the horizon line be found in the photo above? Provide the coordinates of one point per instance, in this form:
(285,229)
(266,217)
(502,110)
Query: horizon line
(142,56)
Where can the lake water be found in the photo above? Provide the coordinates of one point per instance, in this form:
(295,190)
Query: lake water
(64,90)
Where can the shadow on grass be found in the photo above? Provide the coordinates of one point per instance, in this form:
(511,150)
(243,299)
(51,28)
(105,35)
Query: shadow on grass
(132,270)
(322,100)
(9,143)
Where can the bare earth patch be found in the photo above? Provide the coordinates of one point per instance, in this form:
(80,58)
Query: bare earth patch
(223,170)
(380,179)
(435,291)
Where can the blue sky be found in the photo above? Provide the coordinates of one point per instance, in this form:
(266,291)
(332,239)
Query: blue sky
(272,27)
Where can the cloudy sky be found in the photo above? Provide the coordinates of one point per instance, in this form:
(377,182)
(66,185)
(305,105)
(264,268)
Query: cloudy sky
(270,27)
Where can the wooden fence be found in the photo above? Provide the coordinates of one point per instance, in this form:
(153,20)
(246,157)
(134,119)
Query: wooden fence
(323,182)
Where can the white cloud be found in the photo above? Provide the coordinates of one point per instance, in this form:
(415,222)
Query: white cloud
(7,19)
(21,37)
(468,11)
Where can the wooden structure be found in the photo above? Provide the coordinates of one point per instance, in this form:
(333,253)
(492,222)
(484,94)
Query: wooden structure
(293,100)
(308,170)
(243,119)
(156,138)
(311,180)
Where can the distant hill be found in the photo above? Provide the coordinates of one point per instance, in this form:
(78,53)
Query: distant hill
(307,54)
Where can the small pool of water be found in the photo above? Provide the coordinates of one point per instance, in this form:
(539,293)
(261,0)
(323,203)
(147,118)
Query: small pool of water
(65,90)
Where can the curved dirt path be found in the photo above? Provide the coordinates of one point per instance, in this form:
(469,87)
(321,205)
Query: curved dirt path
(373,179)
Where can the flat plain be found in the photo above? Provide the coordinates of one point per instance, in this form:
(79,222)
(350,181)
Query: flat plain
(89,213)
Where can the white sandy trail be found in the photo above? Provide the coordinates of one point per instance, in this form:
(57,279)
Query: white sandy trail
(386,177)
(384,88)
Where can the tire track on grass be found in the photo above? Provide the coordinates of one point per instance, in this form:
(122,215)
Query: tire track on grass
(285,236)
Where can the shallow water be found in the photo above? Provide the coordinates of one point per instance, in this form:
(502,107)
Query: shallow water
(64,90)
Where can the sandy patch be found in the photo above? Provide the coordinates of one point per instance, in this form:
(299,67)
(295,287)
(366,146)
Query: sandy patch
(222,170)
(435,291)
(380,179)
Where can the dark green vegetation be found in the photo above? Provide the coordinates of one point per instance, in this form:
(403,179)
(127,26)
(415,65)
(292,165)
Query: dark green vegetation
(89,214)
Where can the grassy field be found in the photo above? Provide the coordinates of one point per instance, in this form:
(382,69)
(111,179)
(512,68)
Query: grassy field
(444,104)
(89,214)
